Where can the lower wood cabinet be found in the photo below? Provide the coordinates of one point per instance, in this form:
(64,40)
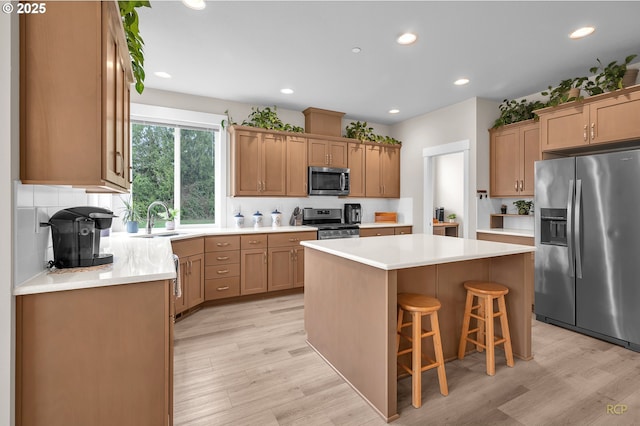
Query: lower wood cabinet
(253,271)
(222,267)
(191,254)
(110,347)
(286,260)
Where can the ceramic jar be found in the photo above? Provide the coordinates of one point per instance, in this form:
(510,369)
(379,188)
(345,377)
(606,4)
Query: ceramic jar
(257,219)
(238,220)
(276,218)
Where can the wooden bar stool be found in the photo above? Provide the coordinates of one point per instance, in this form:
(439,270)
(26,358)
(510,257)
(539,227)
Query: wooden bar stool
(486,292)
(419,305)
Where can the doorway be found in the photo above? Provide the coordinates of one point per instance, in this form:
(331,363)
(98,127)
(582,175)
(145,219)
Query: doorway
(439,157)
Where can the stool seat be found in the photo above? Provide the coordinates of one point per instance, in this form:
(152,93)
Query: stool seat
(418,302)
(419,305)
(483,313)
(486,288)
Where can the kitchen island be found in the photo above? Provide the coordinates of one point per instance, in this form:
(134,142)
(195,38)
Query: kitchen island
(351,288)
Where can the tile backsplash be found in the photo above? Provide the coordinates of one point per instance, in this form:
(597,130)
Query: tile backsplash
(35,204)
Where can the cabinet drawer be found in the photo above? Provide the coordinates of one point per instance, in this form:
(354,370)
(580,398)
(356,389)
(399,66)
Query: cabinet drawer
(402,230)
(248,242)
(222,257)
(376,232)
(290,238)
(221,288)
(190,247)
(220,271)
(222,243)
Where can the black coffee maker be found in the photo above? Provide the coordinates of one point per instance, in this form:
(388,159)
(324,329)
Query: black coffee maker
(76,236)
(352,213)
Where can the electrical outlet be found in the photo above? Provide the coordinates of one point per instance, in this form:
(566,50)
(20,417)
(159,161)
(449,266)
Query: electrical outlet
(41,216)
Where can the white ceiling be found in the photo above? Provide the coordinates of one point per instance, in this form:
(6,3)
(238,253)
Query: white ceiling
(247,51)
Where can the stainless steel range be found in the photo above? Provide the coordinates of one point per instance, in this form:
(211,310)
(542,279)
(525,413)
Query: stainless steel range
(329,223)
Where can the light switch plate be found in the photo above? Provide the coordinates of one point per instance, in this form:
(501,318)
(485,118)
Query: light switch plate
(41,216)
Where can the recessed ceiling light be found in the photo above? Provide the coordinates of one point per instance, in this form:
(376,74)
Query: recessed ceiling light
(582,32)
(286,91)
(194,4)
(356,50)
(407,38)
(394,111)
(461,81)
(162,74)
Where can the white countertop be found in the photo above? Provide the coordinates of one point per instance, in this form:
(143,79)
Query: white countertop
(184,233)
(508,231)
(134,260)
(411,250)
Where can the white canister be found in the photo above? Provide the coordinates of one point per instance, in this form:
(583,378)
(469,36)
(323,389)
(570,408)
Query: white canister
(238,220)
(276,218)
(257,219)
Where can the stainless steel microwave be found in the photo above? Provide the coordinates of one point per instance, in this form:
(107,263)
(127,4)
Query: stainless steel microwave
(328,181)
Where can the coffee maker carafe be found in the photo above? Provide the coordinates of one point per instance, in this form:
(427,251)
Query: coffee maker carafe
(352,213)
(75,233)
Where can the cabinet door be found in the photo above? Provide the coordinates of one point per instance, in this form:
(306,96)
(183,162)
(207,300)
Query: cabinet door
(376,232)
(373,172)
(253,271)
(356,164)
(318,153)
(195,281)
(390,172)
(298,267)
(529,154)
(297,170)
(615,119)
(273,164)
(403,230)
(246,152)
(181,302)
(565,128)
(337,154)
(505,162)
(280,268)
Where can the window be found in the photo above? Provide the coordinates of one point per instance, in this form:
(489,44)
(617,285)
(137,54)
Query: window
(176,161)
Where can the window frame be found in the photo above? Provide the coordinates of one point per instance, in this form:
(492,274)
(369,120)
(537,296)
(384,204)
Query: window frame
(190,119)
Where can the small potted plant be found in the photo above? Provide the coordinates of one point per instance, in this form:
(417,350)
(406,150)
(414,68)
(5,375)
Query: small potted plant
(130,216)
(513,111)
(452,217)
(523,206)
(610,77)
(566,91)
(170,219)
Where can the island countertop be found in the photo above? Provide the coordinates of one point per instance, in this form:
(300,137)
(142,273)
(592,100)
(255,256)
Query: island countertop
(406,251)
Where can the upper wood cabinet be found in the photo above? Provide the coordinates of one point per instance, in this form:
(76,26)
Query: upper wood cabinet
(514,150)
(296,169)
(606,118)
(75,73)
(327,153)
(258,163)
(382,171)
(356,164)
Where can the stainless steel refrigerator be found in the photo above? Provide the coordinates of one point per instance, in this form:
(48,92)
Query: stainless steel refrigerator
(587,234)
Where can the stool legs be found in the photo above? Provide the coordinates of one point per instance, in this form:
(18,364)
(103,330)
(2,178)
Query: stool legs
(485,332)
(417,334)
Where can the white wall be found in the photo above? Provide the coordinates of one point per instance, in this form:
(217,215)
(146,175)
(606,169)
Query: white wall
(449,186)
(9,140)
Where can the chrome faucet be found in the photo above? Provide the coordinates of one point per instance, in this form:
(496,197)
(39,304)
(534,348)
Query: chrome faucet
(150,218)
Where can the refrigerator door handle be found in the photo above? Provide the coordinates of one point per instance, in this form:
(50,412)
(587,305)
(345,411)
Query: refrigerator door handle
(572,188)
(577,228)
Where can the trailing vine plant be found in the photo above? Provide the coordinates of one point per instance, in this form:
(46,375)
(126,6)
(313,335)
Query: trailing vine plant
(135,42)
(363,133)
(513,111)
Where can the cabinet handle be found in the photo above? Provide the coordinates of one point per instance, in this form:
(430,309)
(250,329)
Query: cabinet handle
(515,187)
(222,258)
(254,242)
(593,131)
(259,187)
(190,265)
(521,185)
(223,288)
(223,271)
(330,158)
(119,164)
(293,240)
(584,133)
(222,244)
(326,159)
(265,257)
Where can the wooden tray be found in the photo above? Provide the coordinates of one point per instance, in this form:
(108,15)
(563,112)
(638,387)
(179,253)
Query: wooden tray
(388,217)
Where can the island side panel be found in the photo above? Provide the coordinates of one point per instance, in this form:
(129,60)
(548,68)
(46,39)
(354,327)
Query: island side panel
(350,315)
(516,273)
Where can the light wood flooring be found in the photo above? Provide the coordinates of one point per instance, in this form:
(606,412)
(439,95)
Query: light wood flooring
(248,364)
